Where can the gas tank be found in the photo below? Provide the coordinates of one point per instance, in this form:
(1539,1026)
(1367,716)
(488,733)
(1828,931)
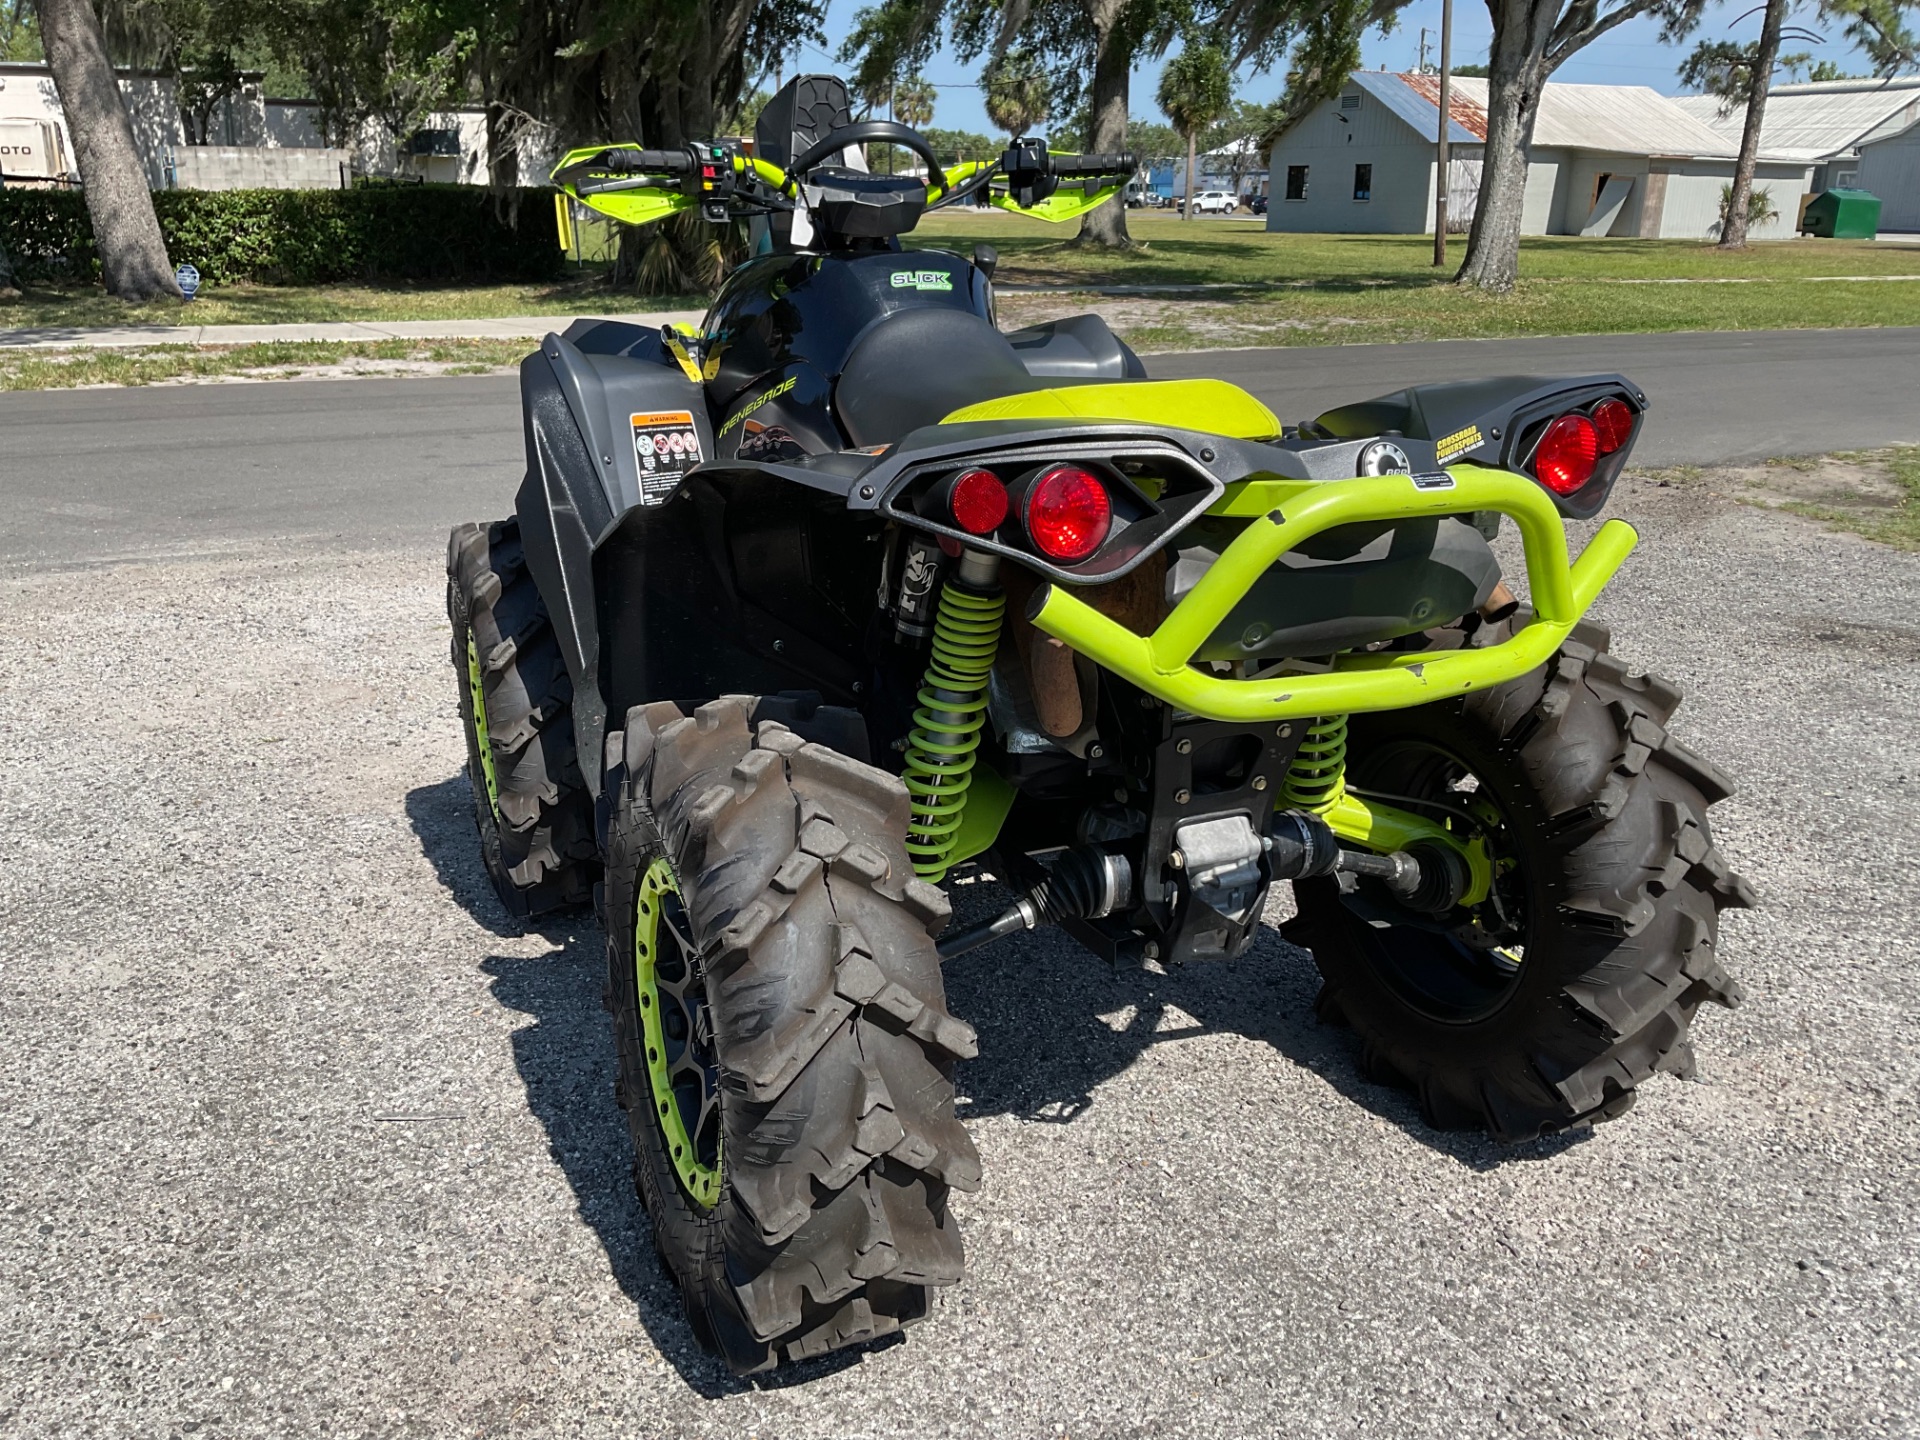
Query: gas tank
(784,326)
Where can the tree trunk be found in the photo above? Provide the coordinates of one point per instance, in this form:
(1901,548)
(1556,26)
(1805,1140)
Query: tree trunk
(503,146)
(7,288)
(133,256)
(1733,227)
(1518,72)
(1107,119)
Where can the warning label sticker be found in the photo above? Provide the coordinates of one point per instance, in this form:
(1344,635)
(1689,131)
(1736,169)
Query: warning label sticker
(667,446)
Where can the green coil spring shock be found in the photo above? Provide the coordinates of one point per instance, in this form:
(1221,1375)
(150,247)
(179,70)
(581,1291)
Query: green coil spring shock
(1317,779)
(947,722)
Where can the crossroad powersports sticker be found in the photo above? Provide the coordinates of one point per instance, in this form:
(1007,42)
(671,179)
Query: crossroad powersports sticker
(667,446)
(1458,443)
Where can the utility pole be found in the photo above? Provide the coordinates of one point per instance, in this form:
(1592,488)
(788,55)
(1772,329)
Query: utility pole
(1422,67)
(1446,120)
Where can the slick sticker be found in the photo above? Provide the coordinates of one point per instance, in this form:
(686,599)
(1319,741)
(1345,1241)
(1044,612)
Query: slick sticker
(666,446)
(922,280)
(754,404)
(1458,443)
(1433,480)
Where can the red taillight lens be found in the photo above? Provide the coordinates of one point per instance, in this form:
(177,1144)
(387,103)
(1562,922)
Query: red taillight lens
(1613,423)
(979,502)
(1067,513)
(1567,454)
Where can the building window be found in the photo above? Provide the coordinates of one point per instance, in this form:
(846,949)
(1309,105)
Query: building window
(1363,182)
(1848,180)
(1349,102)
(1296,182)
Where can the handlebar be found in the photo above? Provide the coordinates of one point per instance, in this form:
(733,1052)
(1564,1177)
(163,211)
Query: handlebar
(1087,167)
(859,133)
(671,162)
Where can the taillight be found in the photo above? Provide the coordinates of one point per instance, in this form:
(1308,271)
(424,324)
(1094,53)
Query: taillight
(1567,454)
(1613,423)
(979,502)
(1068,512)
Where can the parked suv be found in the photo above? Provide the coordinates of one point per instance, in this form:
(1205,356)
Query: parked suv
(1216,202)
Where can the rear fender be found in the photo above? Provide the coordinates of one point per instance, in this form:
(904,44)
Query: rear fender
(583,416)
(1497,422)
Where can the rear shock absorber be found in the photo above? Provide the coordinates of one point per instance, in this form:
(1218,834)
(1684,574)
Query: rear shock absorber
(1317,779)
(952,709)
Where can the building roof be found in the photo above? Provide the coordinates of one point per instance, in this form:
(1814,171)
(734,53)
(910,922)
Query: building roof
(1820,119)
(1612,119)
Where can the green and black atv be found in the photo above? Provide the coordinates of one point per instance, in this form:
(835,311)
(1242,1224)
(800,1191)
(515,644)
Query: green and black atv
(805,610)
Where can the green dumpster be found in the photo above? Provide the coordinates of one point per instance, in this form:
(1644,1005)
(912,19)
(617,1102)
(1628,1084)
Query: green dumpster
(1843,215)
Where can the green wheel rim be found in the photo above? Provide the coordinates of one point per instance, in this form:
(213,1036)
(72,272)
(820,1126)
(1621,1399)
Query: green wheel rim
(683,1080)
(477,690)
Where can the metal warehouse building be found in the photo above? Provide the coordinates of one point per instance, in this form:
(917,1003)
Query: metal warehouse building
(1606,160)
(1857,134)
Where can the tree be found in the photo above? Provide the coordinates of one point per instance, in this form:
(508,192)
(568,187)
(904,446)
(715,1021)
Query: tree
(133,256)
(1100,39)
(1532,39)
(1742,75)
(1015,91)
(1196,89)
(19,32)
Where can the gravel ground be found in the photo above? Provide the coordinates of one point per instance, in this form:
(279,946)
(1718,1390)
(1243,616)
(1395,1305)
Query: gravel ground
(301,1135)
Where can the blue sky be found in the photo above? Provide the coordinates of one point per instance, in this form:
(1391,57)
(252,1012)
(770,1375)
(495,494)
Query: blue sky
(1630,55)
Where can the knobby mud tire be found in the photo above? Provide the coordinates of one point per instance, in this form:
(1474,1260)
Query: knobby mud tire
(536,832)
(834,1048)
(1623,889)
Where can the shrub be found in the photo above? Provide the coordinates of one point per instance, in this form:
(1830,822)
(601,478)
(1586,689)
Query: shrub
(443,234)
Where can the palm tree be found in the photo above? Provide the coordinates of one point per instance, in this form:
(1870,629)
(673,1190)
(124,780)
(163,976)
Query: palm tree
(913,101)
(1018,96)
(1196,89)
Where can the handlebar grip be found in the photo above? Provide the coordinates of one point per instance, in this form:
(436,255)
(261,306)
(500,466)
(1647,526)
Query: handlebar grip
(673,162)
(1082,166)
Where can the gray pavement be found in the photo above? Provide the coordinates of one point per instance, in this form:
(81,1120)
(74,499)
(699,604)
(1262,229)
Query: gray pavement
(301,1134)
(93,474)
(110,337)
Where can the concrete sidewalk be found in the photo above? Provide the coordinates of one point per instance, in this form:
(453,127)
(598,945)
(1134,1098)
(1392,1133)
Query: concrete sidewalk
(519,327)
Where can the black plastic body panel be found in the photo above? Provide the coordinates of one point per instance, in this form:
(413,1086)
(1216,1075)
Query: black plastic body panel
(1079,347)
(1494,422)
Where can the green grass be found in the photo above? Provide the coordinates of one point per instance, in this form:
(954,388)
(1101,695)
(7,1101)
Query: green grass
(1242,286)
(1271,289)
(281,360)
(1242,252)
(1897,524)
(282,305)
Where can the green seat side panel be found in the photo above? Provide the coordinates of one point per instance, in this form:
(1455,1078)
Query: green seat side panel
(1212,406)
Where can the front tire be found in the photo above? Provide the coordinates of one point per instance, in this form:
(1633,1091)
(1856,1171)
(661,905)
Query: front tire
(1613,888)
(786,1056)
(530,803)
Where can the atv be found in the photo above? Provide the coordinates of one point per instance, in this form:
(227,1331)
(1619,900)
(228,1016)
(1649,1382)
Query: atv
(846,593)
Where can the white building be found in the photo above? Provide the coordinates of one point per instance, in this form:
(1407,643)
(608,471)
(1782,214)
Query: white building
(258,142)
(1606,160)
(1857,135)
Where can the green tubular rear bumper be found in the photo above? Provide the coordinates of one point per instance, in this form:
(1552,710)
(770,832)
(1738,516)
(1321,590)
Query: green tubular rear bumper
(1291,511)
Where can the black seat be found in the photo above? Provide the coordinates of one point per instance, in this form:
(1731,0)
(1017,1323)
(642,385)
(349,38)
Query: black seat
(918,366)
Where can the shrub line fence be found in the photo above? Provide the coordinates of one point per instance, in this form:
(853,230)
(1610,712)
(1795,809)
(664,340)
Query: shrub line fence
(436,234)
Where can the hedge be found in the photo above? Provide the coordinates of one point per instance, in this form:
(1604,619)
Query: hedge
(432,233)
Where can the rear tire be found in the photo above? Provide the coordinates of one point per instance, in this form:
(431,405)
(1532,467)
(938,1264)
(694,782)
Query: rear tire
(1617,885)
(819,1218)
(530,803)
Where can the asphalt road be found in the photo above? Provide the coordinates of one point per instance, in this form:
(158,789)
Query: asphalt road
(300,1134)
(184,470)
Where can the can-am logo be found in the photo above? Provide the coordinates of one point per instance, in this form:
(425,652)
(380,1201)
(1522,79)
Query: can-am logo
(922,280)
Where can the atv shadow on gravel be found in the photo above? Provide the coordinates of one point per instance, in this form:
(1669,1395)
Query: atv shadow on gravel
(1044,1049)
(1045,1044)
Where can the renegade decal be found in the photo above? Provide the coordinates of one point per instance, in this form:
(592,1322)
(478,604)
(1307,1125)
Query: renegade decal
(667,446)
(922,280)
(1458,443)
(754,404)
